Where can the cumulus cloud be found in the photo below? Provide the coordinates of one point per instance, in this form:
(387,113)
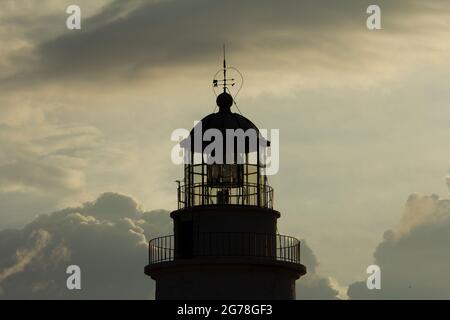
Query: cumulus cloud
(108,239)
(25,256)
(313,286)
(414,259)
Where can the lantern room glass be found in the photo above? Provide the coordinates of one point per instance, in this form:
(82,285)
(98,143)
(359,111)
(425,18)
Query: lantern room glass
(240,183)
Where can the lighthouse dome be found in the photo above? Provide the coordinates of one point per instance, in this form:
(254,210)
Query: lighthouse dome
(223,120)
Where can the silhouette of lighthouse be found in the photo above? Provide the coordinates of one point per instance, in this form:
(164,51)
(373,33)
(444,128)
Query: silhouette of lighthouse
(225,243)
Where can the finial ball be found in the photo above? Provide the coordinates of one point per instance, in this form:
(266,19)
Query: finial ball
(224,100)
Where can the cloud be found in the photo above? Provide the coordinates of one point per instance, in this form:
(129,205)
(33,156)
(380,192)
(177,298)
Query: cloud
(113,206)
(130,40)
(414,259)
(84,137)
(41,155)
(25,175)
(25,24)
(108,239)
(313,286)
(25,256)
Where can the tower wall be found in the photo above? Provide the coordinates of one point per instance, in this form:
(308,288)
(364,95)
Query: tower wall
(225,253)
(225,231)
(227,219)
(225,279)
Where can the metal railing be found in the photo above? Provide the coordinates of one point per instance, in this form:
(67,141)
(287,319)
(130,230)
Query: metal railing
(161,249)
(248,194)
(226,244)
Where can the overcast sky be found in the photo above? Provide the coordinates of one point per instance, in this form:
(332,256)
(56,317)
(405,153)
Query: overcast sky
(363,115)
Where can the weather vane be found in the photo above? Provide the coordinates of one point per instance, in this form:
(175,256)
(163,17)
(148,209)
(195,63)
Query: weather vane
(225,81)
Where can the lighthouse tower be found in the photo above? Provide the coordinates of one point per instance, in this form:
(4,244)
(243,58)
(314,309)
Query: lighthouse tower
(225,243)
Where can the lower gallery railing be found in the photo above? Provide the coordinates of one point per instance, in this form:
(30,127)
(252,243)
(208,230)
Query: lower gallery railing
(222,244)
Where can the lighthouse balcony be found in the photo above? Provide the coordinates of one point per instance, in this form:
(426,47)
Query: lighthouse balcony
(273,247)
(247,194)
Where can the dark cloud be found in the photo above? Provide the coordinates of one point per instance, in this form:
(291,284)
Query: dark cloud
(107,238)
(415,259)
(111,250)
(127,38)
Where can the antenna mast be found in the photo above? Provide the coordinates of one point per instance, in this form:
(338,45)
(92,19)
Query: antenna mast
(223,82)
(224,70)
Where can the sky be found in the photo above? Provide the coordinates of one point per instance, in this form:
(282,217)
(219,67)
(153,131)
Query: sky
(363,119)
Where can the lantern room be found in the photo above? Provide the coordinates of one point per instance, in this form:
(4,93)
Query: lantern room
(225,157)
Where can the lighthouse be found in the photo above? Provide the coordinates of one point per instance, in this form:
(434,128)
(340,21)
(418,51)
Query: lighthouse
(225,242)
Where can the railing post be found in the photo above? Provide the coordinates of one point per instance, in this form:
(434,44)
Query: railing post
(171,247)
(164,248)
(150,252)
